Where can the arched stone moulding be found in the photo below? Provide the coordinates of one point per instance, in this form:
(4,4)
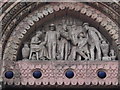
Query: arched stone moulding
(24,26)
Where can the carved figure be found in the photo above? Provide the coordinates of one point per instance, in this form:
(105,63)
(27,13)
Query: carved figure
(64,45)
(82,47)
(51,38)
(74,39)
(112,54)
(105,50)
(95,39)
(34,45)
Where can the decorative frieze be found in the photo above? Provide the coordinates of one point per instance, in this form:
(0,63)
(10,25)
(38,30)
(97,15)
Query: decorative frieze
(54,72)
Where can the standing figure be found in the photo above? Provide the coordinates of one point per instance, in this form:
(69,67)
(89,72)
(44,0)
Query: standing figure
(94,40)
(51,39)
(64,44)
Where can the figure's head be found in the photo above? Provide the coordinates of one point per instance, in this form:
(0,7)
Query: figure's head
(81,34)
(80,28)
(74,27)
(59,26)
(86,25)
(103,42)
(69,28)
(52,27)
(38,33)
(65,27)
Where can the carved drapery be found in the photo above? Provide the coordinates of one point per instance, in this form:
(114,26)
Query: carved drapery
(24,26)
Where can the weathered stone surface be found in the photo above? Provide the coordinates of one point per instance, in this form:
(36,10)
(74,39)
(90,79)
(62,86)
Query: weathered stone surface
(96,15)
(54,72)
(58,42)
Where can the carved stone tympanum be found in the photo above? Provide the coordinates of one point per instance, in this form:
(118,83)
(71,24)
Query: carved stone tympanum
(69,39)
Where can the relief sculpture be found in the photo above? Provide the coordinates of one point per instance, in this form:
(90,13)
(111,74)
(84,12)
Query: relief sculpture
(94,41)
(65,41)
(51,39)
(37,47)
(82,48)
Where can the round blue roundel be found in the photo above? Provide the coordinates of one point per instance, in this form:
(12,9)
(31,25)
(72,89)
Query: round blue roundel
(9,74)
(37,74)
(101,74)
(69,74)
